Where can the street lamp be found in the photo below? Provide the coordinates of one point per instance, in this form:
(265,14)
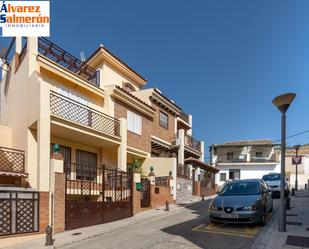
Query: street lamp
(283,103)
(296,147)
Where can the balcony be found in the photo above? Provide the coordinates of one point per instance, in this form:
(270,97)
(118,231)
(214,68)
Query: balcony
(74,111)
(68,61)
(192,143)
(185,117)
(12,161)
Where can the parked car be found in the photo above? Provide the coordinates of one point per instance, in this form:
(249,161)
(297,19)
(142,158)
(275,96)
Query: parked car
(273,180)
(242,201)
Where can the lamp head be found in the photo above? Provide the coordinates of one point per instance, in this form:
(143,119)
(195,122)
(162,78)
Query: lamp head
(296,147)
(283,102)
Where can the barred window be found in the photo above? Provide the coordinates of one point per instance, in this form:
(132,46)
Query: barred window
(163,119)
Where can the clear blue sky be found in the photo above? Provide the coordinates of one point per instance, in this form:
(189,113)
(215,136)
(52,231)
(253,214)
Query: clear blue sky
(223,61)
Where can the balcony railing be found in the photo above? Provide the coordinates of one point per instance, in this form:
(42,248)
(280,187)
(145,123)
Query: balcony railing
(67,60)
(84,115)
(244,159)
(12,160)
(192,143)
(184,117)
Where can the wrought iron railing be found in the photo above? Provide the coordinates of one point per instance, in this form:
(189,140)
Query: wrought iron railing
(109,184)
(184,117)
(67,60)
(82,114)
(12,160)
(192,142)
(162,181)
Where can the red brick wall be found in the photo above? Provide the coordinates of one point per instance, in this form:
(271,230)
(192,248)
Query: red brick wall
(197,188)
(59,203)
(44,211)
(158,200)
(136,200)
(167,134)
(143,141)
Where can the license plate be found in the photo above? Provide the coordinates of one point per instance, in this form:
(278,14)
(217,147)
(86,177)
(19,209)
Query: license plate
(230,216)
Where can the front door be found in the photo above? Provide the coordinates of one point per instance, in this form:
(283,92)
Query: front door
(234,174)
(145,193)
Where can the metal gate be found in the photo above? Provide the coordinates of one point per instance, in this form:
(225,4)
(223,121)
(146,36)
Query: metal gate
(145,192)
(96,196)
(19,212)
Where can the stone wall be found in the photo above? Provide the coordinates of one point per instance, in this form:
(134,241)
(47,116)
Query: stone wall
(184,189)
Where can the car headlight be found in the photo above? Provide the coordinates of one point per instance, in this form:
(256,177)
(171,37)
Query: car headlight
(249,208)
(213,207)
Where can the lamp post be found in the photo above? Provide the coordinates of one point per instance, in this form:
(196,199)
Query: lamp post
(296,147)
(283,103)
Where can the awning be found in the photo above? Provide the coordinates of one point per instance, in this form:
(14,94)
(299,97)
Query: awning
(6,173)
(201,164)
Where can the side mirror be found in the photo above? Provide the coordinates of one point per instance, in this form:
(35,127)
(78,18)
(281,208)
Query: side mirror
(265,191)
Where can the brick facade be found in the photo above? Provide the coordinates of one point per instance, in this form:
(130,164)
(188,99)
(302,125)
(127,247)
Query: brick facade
(159,195)
(149,126)
(167,134)
(59,203)
(136,199)
(143,141)
(44,211)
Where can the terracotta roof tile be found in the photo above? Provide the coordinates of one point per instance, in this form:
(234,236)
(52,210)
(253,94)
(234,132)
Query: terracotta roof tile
(136,98)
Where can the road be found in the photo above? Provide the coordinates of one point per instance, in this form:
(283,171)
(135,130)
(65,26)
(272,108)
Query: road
(183,229)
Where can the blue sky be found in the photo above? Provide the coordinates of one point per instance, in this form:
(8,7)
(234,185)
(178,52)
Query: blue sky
(223,61)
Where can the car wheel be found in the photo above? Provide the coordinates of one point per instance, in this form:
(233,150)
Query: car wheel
(263,218)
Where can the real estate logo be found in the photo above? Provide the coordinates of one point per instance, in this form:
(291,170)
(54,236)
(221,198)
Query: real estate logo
(24,18)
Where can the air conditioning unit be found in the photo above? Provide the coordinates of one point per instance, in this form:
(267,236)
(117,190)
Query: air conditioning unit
(175,142)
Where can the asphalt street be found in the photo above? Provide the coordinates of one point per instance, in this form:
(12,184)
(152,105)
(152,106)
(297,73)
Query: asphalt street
(188,228)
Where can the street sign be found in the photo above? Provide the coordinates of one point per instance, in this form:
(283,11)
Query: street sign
(296,160)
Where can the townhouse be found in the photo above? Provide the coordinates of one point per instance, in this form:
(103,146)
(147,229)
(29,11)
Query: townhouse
(70,128)
(244,159)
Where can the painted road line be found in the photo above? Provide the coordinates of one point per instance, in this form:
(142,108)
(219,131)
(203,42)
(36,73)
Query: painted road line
(224,229)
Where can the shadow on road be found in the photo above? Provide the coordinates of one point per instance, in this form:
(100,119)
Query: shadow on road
(207,239)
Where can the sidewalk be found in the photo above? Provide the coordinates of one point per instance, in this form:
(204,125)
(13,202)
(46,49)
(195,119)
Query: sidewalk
(73,236)
(270,238)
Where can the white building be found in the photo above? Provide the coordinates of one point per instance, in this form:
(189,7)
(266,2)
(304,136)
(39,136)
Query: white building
(244,159)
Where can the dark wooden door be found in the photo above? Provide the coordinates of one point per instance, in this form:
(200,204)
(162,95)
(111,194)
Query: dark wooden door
(145,193)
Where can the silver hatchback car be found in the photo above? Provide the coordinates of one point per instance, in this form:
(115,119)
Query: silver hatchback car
(243,201)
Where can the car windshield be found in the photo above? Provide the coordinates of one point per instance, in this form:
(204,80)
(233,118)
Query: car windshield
(272,177)
(241,188)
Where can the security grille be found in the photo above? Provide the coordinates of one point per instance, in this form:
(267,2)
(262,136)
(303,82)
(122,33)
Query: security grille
(19,212)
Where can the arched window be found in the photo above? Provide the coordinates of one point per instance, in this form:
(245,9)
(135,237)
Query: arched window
(128,87)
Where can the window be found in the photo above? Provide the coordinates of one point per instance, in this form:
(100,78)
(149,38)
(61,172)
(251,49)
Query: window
(86,165)
(258,154)
(163,119)
(222,177)
(128,87)
(229,155)
(134,123)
